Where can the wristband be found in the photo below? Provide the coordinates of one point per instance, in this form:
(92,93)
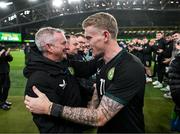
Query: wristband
(50,107)
(56,110)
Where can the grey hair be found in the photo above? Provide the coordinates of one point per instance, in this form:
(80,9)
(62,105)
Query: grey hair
(46,36)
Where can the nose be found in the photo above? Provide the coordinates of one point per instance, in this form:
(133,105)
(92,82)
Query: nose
(66,46)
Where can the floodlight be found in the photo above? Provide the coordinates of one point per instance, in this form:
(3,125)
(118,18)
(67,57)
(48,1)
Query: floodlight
(118,3)
(57,3)
(134,3)
(5,4)
(103,5)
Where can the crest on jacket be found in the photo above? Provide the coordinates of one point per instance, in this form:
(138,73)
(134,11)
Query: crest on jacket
(71,70)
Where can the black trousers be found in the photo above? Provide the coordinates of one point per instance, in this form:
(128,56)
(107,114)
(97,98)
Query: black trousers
(155,69)
(4,86)
(160,71)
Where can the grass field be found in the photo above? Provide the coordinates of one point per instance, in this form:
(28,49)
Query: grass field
(157,110)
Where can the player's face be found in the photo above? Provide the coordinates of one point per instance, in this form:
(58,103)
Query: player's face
(95,39)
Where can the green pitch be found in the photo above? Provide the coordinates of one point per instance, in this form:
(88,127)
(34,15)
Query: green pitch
(157,110)
(17,119)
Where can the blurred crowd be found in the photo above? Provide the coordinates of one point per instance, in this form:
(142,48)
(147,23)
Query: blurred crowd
(156,54)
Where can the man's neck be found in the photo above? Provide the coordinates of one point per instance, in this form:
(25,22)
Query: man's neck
(111,51)
(51,57)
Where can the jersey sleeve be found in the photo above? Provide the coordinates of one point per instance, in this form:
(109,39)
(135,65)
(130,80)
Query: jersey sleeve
(85,69)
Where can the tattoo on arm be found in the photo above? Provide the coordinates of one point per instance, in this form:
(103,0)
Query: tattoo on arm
(94,101)
(81,115)
(107,109)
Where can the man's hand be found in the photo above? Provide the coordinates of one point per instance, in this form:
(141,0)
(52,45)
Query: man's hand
(8,51)
(39,105)
(2,51)
(160,51)
(167,60)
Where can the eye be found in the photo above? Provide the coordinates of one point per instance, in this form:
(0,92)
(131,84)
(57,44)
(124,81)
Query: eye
(64,43)
(88,37)
(75,44)
(178,43)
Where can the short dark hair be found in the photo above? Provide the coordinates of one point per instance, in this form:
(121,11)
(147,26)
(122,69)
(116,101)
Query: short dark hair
(80,35)
(67,36)
(175,32)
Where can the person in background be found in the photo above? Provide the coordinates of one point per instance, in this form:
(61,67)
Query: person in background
(175,38)
(73,47)
(85,52)
(167,54)
(159,49)
(27,49)
(82,45)
(5,58)
(174,82)
(147,58)
(117,104)
(86,85)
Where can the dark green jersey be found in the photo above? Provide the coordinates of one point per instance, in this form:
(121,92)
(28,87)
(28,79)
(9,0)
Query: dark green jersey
(123,80)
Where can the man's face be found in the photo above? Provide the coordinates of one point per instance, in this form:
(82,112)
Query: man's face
(168,38)
(95,39)
(159,36)
(86,48)
(152,42)
(58,49)
(145,41)
(72,45)
(82,42)
(176,36)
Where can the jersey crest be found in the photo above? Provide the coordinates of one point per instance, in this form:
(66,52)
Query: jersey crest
(110,74)
(71,70)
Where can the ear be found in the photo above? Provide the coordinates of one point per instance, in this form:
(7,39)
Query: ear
(49,48)
(106,36)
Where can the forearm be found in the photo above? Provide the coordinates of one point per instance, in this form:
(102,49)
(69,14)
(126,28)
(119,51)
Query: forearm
(106,110)
(78,115)
(94,117)
(82,115)
(94,101)
(2,51)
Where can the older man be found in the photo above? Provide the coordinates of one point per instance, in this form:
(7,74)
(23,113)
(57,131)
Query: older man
(47,70)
